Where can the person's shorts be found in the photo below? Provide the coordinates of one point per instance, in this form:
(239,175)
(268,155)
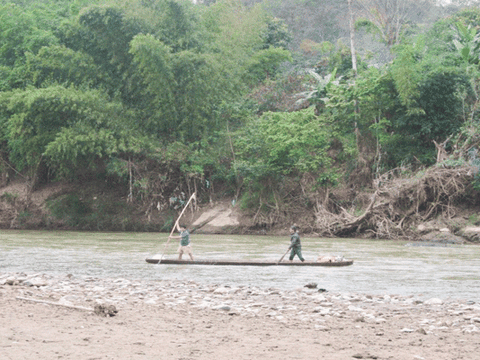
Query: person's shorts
(185,250)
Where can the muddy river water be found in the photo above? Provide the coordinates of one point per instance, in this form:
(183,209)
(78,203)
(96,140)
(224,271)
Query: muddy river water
(380,267)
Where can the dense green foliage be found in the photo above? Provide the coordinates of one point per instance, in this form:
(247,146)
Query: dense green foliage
(166,96)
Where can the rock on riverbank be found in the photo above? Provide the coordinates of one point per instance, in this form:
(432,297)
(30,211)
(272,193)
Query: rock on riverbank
(185,320)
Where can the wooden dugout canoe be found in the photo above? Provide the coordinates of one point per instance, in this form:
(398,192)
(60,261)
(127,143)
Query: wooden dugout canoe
(248,262)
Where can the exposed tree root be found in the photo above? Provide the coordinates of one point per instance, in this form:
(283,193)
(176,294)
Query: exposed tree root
(399,202)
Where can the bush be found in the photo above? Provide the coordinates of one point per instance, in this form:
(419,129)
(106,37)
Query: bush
(69,208)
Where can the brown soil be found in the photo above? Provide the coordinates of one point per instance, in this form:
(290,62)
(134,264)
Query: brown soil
(141,331)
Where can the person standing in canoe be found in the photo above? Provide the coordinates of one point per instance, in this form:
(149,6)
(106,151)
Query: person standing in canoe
(295,244)
(184,237)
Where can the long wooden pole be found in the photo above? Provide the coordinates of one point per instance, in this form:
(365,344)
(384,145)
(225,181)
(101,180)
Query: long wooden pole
(279,261)
(175,226)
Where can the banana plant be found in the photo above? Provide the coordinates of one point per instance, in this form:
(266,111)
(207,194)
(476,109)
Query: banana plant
(318,92)
(468,44)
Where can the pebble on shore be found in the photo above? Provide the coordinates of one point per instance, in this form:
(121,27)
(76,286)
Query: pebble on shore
(314,308)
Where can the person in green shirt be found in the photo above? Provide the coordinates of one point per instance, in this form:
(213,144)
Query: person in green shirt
(295,244)
(184,237)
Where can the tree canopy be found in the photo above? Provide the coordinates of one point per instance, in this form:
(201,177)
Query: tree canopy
(249,96)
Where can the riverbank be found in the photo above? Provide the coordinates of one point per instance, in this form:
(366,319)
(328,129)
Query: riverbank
(98,206)
(186,320)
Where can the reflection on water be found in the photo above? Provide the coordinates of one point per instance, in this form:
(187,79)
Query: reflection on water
(380,267)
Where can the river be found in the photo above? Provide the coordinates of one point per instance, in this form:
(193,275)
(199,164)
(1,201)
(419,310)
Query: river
(380,267)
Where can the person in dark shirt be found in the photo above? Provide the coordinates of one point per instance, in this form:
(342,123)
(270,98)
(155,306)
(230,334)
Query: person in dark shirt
(295,244)
(184,237)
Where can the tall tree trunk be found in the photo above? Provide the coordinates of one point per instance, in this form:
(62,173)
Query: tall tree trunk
(354,64)
(352,38)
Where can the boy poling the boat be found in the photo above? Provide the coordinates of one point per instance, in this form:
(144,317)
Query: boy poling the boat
(295,245)
(184,237)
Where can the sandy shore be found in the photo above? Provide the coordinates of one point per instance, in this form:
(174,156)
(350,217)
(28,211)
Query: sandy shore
(177,320)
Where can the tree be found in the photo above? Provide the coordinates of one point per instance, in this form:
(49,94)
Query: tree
(264,64)
(315,20)
(435,96)
(392,20)
(276,151)
(105,34)
(62,127)
(58,64)
(385,18)
(153,59)
(182,90)
(178,25)
(19,34)
(277,34)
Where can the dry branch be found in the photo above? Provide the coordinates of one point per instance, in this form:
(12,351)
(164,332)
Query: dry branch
(399,201)
(102,310)
(55,303)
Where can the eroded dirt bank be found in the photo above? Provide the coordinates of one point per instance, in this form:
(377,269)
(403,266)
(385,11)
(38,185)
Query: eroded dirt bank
(436,205)
(177,320)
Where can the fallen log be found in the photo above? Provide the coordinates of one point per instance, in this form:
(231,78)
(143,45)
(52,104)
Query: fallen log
(203,223)
(356,222)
